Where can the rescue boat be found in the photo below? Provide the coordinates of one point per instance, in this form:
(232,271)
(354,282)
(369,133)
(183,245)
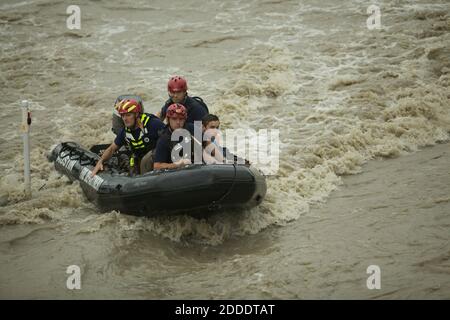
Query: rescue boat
(196,189)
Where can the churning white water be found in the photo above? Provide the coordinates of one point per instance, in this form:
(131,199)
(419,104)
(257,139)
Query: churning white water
(340,95)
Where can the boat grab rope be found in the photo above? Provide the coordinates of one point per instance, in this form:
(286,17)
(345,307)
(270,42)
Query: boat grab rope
(216,204)
(87,158)
(77,155)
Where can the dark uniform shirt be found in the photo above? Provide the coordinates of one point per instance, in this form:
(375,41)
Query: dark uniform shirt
(196,110)
(152,129)
(163,150)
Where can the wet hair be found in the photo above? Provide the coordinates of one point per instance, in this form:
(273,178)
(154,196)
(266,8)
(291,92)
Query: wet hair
(208,118)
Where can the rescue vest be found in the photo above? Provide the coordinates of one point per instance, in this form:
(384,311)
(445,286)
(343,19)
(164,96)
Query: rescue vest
(142,143)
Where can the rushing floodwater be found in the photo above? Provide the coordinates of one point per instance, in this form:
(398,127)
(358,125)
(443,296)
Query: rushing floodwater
(339,93)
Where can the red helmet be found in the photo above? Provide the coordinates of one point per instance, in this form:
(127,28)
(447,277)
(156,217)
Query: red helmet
(128,105)
(176,110)
(177,83)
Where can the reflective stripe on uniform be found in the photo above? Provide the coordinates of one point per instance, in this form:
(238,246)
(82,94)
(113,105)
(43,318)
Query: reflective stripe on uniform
(144,119)
(139,142)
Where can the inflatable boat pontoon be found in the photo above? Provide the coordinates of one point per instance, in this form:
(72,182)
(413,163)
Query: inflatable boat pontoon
(194,189)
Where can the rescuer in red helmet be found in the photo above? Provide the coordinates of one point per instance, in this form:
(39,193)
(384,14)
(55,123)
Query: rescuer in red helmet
(173,152)
(140,133)
(177,88)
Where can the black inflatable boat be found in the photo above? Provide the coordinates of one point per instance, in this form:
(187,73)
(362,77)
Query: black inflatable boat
(195,189)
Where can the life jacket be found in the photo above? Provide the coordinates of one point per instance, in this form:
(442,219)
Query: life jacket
(142,144)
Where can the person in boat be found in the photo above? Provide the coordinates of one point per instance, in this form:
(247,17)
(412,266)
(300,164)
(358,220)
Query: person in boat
(195,106)
(141,132)
(213,152)
(117,122)
(168,145)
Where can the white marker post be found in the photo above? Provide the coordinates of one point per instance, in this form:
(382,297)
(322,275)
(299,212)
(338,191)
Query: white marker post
(26,122)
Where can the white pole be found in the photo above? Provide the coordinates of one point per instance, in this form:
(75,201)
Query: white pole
(26,121)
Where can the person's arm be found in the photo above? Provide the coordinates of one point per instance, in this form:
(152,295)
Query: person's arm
(162,156)
(208,158)
(164,165)
(213,154)
(105,157)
